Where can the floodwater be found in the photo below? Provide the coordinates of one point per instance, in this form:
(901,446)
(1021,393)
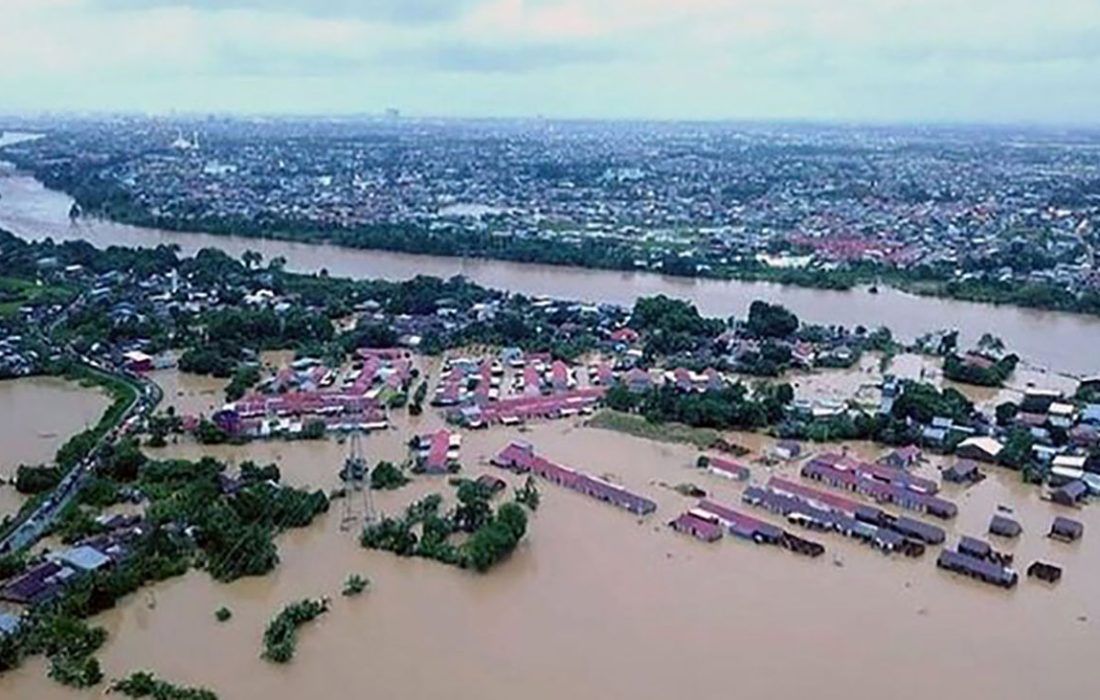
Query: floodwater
(599,604)
(38,415)
(1055,340)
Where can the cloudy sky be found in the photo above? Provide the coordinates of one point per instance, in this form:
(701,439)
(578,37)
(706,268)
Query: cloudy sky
(866,60)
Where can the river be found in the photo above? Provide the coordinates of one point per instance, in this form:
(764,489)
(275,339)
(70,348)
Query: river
(1060,341)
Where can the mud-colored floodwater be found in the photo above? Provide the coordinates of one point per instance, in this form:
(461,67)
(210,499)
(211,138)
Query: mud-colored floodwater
(1055,340)
(37,415)
(599,604)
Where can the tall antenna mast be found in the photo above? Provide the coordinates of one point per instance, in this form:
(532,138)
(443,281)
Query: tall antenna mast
(356,475)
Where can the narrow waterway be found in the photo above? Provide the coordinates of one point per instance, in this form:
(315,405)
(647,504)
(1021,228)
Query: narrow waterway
(1056,340)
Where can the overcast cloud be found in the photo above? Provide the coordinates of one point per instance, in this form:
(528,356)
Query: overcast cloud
(877,60)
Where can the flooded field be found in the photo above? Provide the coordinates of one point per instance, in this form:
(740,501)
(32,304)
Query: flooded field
(39,414)
(599,604)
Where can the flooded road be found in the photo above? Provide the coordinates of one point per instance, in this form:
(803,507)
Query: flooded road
(597,604)
(1051,339)
(37,415)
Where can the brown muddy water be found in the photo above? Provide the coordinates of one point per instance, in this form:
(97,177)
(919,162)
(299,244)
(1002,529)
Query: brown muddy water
(599,604)
(37,415)
(1055,340)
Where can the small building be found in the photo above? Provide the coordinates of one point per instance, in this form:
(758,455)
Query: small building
(1066,529)
(1071,493)
(698,524)
(83,558)
(787,450)
(983,449)
(1044,571)
(137,361)
(725,468)
(902,458)
(964,471)
(1003,526)
(974,547)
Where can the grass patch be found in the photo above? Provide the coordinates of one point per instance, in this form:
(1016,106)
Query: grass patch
(638,426)
(16,293)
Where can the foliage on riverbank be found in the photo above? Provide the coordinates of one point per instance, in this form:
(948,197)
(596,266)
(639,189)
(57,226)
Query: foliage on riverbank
(281,635)
(143,684)
(638,426)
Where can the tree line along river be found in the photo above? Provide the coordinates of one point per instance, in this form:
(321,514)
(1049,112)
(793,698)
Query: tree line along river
(1062,342)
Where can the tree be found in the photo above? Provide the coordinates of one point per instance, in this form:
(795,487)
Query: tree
(770,320)
(387,476)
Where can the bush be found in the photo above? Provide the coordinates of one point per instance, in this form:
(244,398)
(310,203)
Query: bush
(386,476)
(145,685)
(32,480)
(280,637)
(223,614)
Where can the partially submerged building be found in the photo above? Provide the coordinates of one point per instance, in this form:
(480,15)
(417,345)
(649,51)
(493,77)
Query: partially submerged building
(1066,529)
(521,458)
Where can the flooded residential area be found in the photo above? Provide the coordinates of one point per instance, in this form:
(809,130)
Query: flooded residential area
(652,607)
(549,350)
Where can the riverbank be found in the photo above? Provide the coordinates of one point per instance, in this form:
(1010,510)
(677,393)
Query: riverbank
(1047,338)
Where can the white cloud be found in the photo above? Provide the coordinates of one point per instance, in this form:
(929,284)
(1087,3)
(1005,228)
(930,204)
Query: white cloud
(881,59)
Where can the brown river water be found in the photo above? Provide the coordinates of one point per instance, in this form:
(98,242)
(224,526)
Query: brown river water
(1059,341)
(597,604)
(37,415)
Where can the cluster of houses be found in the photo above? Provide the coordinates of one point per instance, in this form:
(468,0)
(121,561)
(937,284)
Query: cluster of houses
(709,520)
(520,457)
(307,392)
(880,482)
(46,580)
(436,452)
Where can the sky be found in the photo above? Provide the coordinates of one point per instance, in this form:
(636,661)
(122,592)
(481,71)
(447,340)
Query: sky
(984,61)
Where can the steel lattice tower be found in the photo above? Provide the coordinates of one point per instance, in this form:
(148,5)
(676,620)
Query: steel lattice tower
(356,475)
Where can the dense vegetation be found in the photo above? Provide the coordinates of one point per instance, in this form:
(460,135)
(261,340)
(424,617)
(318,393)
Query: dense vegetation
(143,684)
(281,634)
(492,535)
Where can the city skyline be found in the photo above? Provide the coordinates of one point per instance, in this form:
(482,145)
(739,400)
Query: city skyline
(794,60)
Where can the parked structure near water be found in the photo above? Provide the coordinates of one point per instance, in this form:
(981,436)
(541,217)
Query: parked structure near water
(520,457)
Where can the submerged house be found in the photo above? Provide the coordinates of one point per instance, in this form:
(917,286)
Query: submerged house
(1066,529)
(699,524)
(979,569)
(725,468)
(964,471)
(1003,526)
(520,457)
(1070,494)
